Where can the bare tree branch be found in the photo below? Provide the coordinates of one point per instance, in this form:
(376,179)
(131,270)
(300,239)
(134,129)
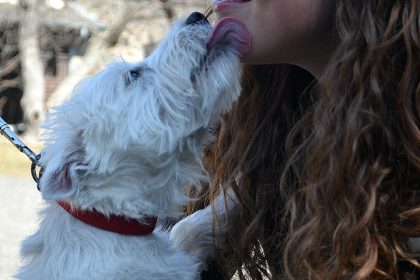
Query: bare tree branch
(11,65)
(5,84)
(167,8)
(81,11)
(123,16)
(3,101)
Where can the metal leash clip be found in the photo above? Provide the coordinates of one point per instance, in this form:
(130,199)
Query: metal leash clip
(15,140)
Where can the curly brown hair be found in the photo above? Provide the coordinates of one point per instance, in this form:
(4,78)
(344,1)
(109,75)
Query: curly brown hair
(329,169)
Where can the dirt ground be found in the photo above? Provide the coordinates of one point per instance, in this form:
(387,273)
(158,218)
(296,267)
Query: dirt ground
(20,202)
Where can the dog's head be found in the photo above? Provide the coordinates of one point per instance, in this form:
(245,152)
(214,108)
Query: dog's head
(133,135)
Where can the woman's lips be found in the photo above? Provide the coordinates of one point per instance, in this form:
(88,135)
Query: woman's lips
(219,1)
(222,5)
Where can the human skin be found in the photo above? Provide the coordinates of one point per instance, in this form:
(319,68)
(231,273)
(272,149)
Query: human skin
(299,32)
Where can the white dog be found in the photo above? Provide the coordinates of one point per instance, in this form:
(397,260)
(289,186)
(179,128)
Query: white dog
(120,152)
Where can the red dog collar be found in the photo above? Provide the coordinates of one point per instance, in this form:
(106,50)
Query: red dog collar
(114,223)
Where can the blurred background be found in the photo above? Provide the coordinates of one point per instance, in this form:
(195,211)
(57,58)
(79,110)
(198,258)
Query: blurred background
(46,48)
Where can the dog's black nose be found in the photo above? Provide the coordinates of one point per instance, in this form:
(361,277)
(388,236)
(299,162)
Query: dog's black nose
(195,17)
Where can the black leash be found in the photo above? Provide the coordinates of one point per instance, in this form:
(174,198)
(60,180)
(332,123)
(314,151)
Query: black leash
(15,140)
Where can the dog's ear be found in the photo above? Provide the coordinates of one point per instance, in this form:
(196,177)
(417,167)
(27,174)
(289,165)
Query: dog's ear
(63,170)
(61,182)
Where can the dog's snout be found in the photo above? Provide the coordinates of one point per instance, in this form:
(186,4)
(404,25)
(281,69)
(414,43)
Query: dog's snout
(195,17)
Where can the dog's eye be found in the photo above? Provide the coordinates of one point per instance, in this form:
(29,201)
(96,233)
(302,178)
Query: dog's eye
(133,75)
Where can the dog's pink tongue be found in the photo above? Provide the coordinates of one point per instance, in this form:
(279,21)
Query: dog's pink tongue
(233,32)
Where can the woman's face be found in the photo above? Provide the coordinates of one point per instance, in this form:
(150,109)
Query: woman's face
(299,32)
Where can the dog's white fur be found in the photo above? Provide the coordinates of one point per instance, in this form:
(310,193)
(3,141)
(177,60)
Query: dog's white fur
(127,143)
(201,232)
